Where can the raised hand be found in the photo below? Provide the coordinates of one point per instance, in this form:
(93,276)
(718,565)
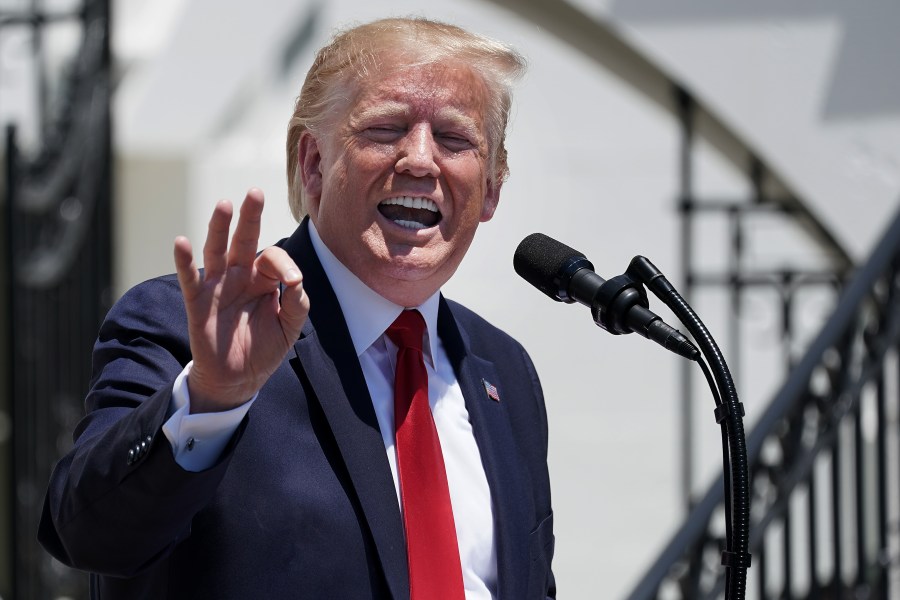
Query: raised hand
(239,327)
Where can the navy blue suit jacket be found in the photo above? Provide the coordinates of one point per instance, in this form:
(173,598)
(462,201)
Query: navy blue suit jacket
(301,504)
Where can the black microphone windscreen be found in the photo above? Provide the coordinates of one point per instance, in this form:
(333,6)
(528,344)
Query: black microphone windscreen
(543,262)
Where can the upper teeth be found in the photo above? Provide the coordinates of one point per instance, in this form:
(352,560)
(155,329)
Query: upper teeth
(410,202)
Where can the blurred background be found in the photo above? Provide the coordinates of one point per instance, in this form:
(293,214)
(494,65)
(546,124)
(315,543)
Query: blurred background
(750,150)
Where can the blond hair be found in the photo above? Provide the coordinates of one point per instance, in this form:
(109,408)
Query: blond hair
(357,52)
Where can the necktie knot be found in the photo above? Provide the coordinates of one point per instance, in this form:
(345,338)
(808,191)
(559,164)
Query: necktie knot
(407,330)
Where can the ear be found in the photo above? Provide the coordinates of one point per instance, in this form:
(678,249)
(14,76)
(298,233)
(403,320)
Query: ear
(491,199)
(310,159)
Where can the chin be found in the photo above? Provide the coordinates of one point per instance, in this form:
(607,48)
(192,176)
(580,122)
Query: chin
(403,270)
(413,281)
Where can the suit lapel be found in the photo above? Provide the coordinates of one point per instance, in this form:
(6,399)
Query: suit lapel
(493,433)
(329,364)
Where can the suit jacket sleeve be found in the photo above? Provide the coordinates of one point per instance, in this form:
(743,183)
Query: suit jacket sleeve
(117,501)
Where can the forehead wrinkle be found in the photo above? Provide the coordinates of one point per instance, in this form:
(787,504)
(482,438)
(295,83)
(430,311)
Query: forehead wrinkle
(388,109)
(426,84)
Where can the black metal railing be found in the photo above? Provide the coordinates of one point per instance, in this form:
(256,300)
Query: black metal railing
(785,276)
(57,222)
(824,465)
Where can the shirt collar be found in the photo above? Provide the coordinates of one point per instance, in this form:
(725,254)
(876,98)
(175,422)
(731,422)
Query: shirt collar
(368,314)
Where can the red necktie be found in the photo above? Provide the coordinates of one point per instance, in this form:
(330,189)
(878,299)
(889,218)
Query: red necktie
(431,547)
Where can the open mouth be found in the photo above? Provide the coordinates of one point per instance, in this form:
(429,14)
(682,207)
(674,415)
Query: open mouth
(411,212)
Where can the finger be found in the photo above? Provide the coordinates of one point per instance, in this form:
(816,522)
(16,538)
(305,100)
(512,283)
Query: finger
(217,239)
(275,264)
(245,240)
(188,274)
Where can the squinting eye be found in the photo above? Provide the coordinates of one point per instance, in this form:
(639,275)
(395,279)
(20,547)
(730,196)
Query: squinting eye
(455,143)
(383,134)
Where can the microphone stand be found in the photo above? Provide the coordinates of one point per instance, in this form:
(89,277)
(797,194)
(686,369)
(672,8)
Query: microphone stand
(729,411)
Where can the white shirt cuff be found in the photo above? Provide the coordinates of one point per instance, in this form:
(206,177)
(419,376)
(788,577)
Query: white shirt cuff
(197,440)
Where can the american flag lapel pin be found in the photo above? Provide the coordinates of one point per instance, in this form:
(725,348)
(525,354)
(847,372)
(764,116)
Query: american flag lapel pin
(491,390)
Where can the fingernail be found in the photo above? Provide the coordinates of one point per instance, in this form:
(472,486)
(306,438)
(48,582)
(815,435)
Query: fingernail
(292,275)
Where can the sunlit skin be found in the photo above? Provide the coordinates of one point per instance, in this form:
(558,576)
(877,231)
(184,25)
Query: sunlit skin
(417,132)
(240,323)
(414,132)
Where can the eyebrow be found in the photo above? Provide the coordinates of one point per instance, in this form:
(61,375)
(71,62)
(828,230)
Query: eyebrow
(460,119)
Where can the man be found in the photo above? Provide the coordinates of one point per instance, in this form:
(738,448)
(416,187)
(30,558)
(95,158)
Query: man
(278,425)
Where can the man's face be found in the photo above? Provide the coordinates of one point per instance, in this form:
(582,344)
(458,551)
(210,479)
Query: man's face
(397,187)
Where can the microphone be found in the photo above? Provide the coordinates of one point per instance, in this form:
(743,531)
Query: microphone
(618,305)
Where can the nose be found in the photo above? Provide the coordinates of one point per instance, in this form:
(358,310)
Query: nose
(417,153)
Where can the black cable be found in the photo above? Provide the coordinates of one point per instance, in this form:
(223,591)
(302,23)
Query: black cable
(726,461)
(725,458)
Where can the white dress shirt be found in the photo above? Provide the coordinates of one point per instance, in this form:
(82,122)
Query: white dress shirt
(198,440)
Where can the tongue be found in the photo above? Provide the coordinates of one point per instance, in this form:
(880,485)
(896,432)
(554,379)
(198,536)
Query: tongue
(395,212)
